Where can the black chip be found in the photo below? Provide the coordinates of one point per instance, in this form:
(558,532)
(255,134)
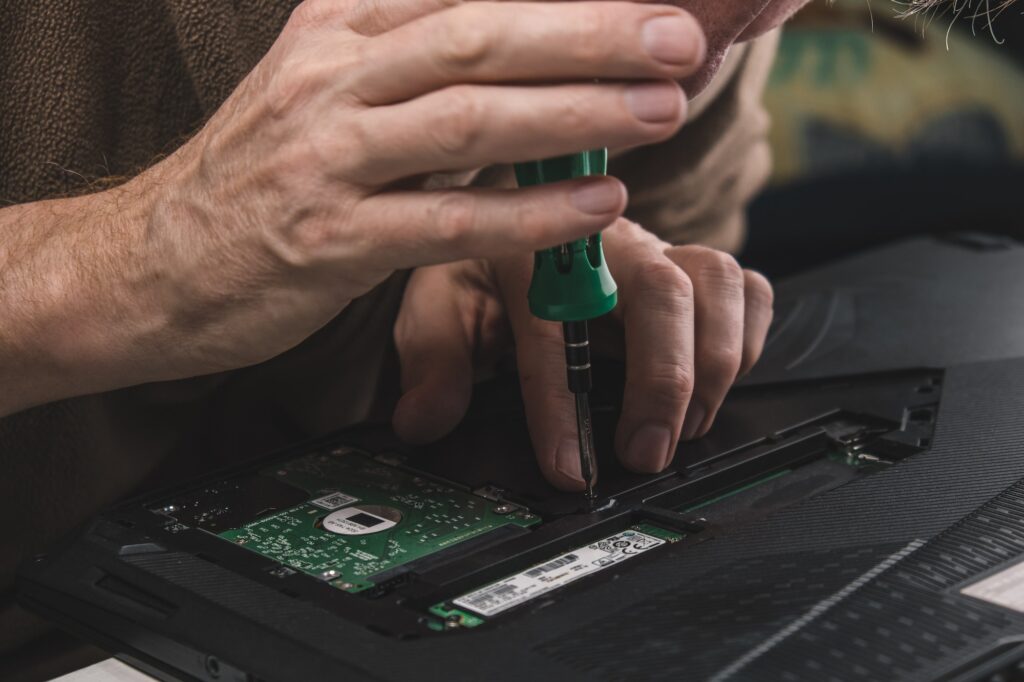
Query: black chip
(365,520)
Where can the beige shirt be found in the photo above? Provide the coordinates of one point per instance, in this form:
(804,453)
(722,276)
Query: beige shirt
(95,89)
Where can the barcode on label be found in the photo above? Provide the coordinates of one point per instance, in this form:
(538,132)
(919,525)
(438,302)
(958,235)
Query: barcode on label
(551,565)
(542,578)
(493,597)
(334,501)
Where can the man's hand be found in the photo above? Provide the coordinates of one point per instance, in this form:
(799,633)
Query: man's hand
(691,321)
(301,192)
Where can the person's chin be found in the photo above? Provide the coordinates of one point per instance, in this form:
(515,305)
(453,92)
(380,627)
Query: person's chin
(772,17)
(695,84)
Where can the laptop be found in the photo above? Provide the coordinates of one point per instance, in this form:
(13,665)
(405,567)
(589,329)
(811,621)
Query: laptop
(856,513)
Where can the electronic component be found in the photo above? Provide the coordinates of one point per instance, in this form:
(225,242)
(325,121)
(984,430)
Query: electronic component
(471,608)
(366,517)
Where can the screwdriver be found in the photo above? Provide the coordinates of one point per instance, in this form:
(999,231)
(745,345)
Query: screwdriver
(571,284)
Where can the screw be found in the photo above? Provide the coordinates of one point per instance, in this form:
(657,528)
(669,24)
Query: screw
(213,666)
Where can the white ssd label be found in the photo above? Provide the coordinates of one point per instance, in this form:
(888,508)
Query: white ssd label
(1005,588)
(550,575)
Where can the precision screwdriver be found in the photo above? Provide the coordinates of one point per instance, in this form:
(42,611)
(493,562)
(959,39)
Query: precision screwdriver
(571,284)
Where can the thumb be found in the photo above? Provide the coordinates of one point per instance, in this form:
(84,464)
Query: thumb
(436,357)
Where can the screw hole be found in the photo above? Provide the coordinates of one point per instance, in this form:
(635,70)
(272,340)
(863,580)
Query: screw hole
(921,416)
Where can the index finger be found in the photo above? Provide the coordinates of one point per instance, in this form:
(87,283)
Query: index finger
(489,42)
(540,356)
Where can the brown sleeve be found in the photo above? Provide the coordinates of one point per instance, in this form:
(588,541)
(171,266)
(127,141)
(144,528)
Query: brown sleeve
(694,186)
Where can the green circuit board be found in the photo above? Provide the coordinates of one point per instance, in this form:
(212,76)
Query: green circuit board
(364,517)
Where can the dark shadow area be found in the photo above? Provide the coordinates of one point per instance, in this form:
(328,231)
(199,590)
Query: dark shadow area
(804,225)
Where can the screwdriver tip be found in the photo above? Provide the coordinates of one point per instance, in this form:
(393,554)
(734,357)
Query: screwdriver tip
(586,438)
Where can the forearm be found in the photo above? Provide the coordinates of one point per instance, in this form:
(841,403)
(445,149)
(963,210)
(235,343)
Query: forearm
(77,297)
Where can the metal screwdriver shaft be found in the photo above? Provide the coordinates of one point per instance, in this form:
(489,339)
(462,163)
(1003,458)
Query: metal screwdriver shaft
(571,284)
(588,464)
(577,365)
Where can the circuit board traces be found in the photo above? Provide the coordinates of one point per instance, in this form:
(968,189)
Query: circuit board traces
(364,517)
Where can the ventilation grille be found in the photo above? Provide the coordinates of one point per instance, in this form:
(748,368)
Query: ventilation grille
(692,634)
(878,612)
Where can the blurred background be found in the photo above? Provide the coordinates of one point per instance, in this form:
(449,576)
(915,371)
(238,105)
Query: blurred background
(885,127)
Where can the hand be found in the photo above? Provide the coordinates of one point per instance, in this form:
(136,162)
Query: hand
(690,318)
(302,192)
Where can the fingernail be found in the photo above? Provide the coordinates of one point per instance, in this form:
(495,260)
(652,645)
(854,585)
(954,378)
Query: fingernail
(694,418)
(647,449)
(597,197)
(672,39)
(654,102)
(567,460)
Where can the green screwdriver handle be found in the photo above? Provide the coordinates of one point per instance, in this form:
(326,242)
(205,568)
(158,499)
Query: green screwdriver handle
(570,282)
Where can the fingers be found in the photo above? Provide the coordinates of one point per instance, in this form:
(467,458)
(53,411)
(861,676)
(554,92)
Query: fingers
(423,228)
(719,337)
(758,299)
(693,321)
(657,309)
(464,127)
(488,42)
(435,354)
(540,356)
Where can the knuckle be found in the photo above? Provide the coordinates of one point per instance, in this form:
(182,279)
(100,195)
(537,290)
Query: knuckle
(720,366)
(719,265)
(633,237)
(637,234)
(455,217)
(353,154)
(758,290)
(718,274)
(589,37)
(670,384)
(574,113)
(466,38)
(370,17)
(664,278)
(298,248)
(312,238)
(457,124)
(312,12)
(294,82)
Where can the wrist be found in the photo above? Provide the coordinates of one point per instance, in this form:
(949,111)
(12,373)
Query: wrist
(76,293)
